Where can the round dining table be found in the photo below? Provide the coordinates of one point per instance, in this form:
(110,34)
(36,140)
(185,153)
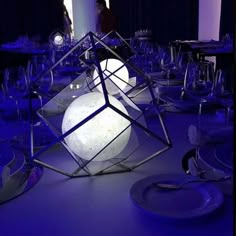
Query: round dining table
(103,205)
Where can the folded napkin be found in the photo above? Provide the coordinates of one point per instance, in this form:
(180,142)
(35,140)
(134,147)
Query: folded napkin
(200,168)
(13,186)
(4,175)
(198,136)
(207,172)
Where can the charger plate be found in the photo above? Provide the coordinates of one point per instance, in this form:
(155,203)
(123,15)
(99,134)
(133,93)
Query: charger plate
(224,155)
(174,103)
(219,157)
(19,177)
(6,154)
(191,201)
(160,79)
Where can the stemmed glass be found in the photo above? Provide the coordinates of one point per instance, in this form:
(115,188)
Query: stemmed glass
(15,85)
(198,85)
(225,95)
(40,82)
(190,76)
(163,58)
(150,54)
(216,90)
(204,85)
(199,82)
(2,100)
(202,82)
(35,68)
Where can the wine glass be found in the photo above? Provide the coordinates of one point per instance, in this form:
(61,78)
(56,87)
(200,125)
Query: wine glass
(199,82)
(2,100)
(163,58)
(41,80)
(15,85)
(203,82)
(224,94)
(189,79)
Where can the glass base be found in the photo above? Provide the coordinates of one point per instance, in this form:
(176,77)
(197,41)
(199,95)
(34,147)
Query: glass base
(16,175)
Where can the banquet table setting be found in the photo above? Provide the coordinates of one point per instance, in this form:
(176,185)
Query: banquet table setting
(184,188)
(208,47)
(24,45)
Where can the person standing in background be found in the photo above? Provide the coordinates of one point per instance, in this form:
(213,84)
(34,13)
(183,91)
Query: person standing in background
(67,22)
(105,19)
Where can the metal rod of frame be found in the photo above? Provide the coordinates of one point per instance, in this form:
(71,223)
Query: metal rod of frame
(94,41)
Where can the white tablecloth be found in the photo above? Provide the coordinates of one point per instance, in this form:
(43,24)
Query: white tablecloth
(101,205)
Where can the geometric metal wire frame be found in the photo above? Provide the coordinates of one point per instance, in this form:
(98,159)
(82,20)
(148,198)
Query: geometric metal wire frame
(146,122)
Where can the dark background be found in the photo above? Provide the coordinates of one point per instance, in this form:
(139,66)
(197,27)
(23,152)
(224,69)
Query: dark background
(31,17)
(168,19)
(227,23)
(35,18)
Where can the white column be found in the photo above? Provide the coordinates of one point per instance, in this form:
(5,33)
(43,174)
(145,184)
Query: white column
(84,17)
(107,3)
(209,19)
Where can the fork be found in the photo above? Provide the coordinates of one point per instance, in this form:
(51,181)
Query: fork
(181,185)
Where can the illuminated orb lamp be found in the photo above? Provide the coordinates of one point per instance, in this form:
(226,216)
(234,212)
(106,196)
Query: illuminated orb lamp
(57,39)
(90,138)
(120,76)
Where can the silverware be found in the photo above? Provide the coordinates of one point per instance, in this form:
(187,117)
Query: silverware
(168,186)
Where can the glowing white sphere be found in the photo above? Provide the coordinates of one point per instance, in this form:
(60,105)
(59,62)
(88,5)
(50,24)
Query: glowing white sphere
(58,40)
(120,77)
(95,134)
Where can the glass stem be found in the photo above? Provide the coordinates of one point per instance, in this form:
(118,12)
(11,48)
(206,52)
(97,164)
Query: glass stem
(18,109)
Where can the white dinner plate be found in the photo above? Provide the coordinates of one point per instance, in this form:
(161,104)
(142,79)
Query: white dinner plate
(174,103)
(219,157)
(191,201)
(6,154)
(170,82)
(224,155)
(163,81)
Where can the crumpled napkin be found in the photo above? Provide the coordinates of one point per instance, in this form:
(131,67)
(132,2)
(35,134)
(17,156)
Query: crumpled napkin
(4,175)
(208,173)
